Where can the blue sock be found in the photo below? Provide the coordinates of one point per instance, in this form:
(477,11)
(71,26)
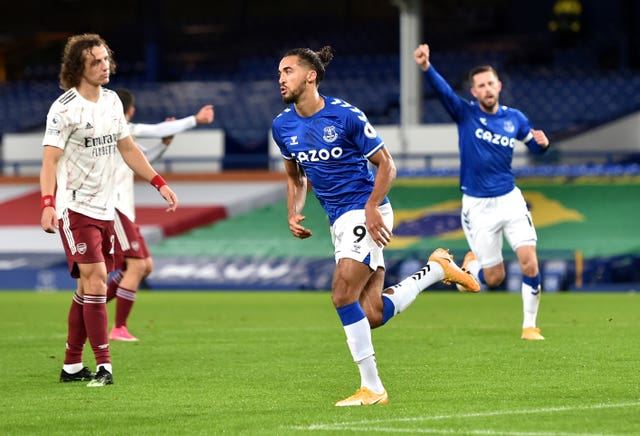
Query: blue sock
(534,282)
(388,309)
(481,277)
(351,313)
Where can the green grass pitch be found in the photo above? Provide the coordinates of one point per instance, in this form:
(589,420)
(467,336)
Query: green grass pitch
(274,363)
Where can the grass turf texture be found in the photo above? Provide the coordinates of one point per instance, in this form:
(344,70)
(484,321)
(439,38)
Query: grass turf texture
(274,363)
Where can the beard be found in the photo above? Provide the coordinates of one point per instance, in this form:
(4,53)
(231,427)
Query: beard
(489,104)
(292,96)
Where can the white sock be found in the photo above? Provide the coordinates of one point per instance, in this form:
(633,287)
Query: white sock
(369,374)
(361,347)
(72,368)
(405,292)
(474,268)
(530,305)
(107,366)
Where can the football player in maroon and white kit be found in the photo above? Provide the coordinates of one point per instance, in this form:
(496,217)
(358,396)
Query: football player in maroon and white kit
(133,259)
(85,131)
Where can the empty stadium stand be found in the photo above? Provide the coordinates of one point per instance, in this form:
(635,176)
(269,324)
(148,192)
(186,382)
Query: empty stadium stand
(176,58)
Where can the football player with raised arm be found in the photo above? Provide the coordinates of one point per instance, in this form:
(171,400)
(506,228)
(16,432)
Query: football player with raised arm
(133,259)
(85,131)
(493,206)
(330,143)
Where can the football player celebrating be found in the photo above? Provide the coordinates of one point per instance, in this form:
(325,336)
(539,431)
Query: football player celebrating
(331,143)
(492,204)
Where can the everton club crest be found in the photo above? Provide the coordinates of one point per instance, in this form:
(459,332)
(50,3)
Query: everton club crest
(330,134)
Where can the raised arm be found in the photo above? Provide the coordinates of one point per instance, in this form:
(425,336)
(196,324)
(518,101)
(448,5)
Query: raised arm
(421,55)
(452,103)
(171,127)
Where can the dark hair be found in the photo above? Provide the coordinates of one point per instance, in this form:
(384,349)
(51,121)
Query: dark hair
(481,69)
(317,60)
(126,98)
(74,55)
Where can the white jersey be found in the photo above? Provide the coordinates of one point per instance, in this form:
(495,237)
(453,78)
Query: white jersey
(124,177)
(88,133)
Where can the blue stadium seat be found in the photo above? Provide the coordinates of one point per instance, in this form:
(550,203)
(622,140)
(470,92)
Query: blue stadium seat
(557,98)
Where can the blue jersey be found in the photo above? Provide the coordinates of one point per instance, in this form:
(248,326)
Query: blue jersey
(486,141)
(332,146)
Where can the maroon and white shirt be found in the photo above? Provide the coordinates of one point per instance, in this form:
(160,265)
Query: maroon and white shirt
(88,133)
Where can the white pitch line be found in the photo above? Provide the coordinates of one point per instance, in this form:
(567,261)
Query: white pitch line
(357,425)
(456,431)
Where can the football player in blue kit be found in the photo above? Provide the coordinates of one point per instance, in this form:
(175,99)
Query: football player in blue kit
(492,205)
(330,143)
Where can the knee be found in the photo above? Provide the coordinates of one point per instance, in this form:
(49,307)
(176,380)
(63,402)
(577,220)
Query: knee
(528,260)
(494,276)
(340,298)
(340,292)
(529,268)
(138,267)
(96,284)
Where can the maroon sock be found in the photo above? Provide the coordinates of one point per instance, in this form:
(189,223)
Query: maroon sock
(95,321)
(112,286)
(124,303)
(76,333)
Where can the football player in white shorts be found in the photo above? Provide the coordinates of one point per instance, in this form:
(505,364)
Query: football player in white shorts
(330,143)
(493,206)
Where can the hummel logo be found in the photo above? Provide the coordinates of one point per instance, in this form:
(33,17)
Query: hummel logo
(88,126)
(483,120)
(294,140)
(419,274)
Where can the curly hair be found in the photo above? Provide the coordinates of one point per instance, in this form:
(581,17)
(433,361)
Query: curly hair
(76,50)
(317,60)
